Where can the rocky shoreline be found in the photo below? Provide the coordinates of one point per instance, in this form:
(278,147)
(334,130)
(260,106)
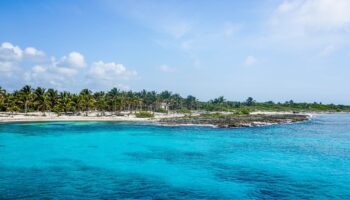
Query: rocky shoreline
(230,121)
(219,119)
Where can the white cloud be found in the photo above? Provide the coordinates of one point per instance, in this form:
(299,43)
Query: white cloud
(250,60)
(31,66)
(39,69)
(50,74)
(31,51)
(65,71)
(287,6)
(34,55)
(10,55)
(301,17)
(11,58)
(6,67)
(76,59)
(110,71)
(9,52)
(166,68)
(99,73)
(73,60)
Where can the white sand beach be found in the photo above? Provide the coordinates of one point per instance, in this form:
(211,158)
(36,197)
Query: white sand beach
(90,116)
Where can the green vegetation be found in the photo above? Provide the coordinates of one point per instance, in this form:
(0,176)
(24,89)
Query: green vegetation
(29,99)
(161,110)
(144,114)
(218,115)
(184,111)
(243,111)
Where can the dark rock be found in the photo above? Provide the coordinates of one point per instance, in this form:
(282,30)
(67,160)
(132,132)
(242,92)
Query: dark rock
(230,121)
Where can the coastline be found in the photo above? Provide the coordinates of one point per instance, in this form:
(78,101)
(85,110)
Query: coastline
(74,118)
(236,121)
(6,117)
(256,119)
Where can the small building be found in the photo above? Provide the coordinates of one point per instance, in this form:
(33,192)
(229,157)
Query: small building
(164,106)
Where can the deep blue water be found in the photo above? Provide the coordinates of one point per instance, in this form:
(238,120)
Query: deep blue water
(106,160)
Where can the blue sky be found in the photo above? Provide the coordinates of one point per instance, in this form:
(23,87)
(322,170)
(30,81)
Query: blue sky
(270,50)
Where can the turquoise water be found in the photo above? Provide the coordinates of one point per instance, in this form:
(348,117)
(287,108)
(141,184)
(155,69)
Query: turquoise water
(106,160)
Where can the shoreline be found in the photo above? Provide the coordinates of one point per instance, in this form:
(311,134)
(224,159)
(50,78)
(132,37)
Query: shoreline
(161,119)
(81,119)
(256,119)
(236,121)
(6,117)
(71,118)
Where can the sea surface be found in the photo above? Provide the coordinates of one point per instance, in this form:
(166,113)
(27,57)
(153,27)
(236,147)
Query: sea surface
(109,160)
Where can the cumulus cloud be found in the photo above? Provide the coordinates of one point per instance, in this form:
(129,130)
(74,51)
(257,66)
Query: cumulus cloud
(57,73)
(6,67)
(110,71)
(250,60)
(9,52)
(73,60)
(31,51)
(166,68)
(68,72)
(34,55)
(68,65)
(10,56)
(39,69)
(302,17)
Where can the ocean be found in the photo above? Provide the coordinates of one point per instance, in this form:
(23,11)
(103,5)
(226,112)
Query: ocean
(115,160)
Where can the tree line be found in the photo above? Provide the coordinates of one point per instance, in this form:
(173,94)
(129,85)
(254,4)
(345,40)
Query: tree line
(29,99)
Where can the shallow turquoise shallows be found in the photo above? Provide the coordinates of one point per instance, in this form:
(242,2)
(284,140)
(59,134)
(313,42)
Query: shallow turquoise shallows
(106,160)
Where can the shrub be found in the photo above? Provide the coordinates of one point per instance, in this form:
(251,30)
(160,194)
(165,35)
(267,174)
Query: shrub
(212,115)
(144,114)
(184,111)
(242,112)
(161,110)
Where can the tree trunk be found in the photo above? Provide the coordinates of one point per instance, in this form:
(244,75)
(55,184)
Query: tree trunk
(25,107)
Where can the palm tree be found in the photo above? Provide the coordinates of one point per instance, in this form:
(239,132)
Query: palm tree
(86,101)
(74,102)
(12,102)
(2,92)
(121,102)
(51,98)
(250,101)
(138,102)
(26,94)
(40,102)
(113,98)
(66,102)
(101,103)
(176,101)
(2,98)
(191,102)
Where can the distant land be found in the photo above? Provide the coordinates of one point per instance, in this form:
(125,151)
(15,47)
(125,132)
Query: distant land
(29,99)
(39,104)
